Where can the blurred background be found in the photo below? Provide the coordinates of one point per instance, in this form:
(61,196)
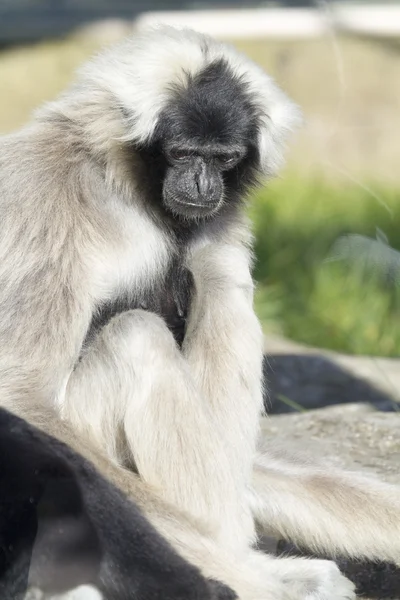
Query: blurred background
(328,229)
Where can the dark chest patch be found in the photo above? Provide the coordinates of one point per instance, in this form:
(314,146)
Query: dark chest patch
(170,298)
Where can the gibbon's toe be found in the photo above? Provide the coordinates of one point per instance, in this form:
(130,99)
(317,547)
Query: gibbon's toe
(329,583)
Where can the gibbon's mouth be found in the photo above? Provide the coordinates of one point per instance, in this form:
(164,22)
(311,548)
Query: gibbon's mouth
(193,210)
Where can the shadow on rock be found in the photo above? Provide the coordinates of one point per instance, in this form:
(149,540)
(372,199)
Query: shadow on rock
(297,382)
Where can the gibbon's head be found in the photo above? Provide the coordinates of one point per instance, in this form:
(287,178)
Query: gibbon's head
(206,120)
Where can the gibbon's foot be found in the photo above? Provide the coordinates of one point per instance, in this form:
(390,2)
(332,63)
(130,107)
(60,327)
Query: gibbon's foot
(305,579)
(329,582)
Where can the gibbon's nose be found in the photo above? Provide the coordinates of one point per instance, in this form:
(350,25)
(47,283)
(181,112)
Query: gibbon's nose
(204,184)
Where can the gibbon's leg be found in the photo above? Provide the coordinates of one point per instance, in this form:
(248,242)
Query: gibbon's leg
(324,509)
(133,389)
(223,346)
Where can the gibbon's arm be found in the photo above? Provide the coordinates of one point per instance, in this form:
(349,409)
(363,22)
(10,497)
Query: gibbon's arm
(327,510)
(223,346)
(44,307)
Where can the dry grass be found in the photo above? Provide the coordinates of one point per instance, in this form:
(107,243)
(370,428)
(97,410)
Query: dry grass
(349,91)
(31,75)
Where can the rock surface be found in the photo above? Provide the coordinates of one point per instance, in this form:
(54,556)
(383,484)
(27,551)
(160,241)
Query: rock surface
(348,436)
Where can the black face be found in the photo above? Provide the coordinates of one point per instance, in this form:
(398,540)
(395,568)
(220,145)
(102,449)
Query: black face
(194,179)
(204,151)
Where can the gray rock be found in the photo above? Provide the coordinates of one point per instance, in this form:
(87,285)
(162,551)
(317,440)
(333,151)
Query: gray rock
(349,436)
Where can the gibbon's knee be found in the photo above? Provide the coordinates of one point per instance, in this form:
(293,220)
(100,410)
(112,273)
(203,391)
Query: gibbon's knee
(137,335)
(132,341)
(114,375)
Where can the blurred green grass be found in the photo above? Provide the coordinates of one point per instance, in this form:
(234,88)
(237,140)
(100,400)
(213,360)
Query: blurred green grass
(302,296)
(351,126)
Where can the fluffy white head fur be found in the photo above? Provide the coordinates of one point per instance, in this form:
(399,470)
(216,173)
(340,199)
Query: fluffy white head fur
(137,77)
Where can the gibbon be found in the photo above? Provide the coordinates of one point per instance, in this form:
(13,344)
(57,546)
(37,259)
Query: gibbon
(113,199)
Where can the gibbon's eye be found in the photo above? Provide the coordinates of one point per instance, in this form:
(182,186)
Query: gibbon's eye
(180,155)
(228,160)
